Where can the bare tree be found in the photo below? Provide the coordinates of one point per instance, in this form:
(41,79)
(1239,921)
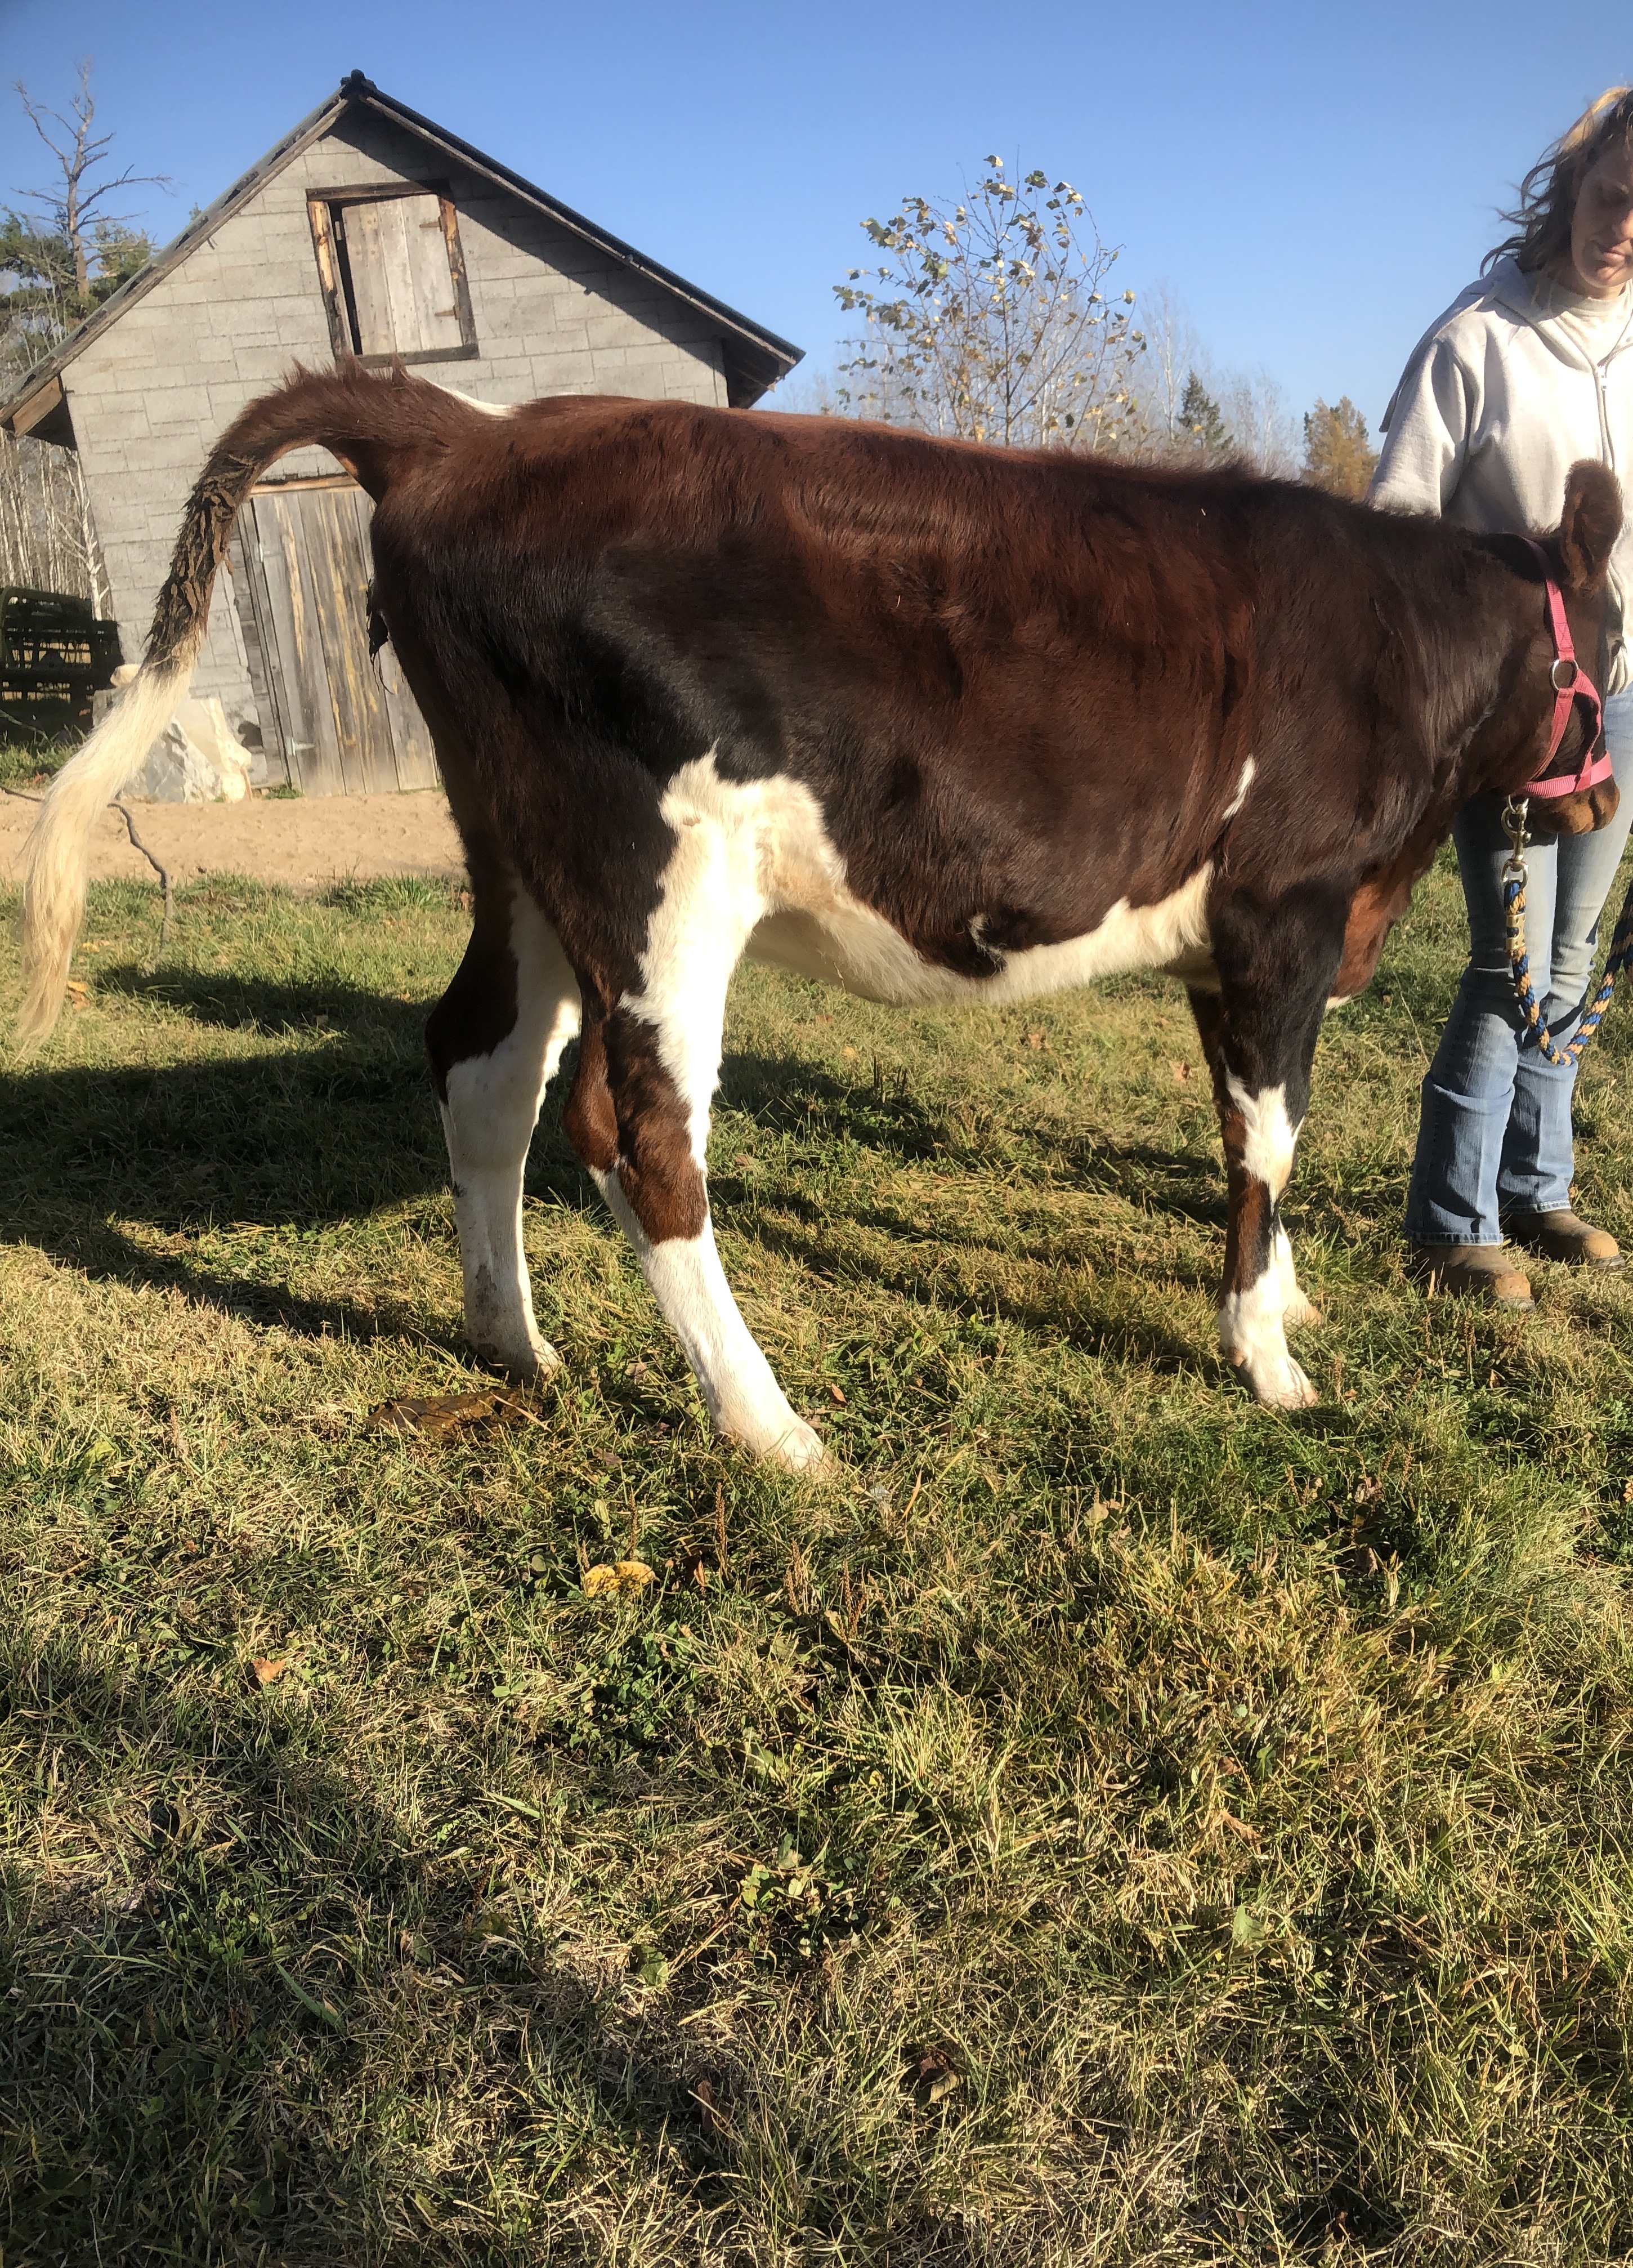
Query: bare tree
(74,209)
(1173,355)
(60,258)
(1188,403)
(806,393)
(48,541)
(1262,426)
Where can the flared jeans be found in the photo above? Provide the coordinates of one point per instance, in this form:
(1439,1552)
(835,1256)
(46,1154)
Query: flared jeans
(1494,1136)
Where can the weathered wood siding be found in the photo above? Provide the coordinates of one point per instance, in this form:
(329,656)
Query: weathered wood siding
(552,316)
(343,727)
(399,277)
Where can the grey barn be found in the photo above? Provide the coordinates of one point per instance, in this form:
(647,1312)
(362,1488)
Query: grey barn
(368,232)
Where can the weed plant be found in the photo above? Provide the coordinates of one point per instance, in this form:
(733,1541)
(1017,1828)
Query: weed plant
(1102,1822)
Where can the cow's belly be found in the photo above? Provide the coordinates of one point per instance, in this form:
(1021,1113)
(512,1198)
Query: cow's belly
(759,852)
(846,942)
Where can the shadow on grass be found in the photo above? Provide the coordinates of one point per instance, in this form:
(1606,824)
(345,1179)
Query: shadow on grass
(103,1251)
(243,2029)
(313,1139)
(293,1140)
(221,1000)
(303,1142)
(782,1093)
(1109,1314)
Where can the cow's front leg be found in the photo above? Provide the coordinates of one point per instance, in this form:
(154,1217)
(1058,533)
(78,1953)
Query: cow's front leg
(1259,1034)
(1296,1311)
(1260,1139)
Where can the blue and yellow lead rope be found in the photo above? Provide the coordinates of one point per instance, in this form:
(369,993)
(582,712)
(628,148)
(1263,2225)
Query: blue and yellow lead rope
(1514,878)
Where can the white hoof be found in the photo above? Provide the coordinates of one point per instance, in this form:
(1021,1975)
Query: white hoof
(796,1446)
(524,1364)
(1280,1384)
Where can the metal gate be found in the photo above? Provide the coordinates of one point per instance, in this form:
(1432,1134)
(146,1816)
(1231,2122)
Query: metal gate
(342,724)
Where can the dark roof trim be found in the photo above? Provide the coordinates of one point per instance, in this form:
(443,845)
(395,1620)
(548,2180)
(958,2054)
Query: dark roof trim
(755,357)
(760,356)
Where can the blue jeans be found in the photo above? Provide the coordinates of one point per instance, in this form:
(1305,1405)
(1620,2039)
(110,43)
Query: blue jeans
(1494,1136)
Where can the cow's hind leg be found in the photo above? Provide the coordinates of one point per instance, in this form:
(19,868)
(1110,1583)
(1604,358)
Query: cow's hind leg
(1259,1032)
(638,1117)
(495,1038)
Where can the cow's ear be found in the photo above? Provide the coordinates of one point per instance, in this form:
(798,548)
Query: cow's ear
(1591,523)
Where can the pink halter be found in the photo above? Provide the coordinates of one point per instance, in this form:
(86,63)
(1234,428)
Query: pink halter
(1570,682)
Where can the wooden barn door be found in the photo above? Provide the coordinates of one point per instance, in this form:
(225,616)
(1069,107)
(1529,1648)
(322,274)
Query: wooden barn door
(346,726)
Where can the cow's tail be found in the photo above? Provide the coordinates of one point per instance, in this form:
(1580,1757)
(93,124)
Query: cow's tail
(371,423)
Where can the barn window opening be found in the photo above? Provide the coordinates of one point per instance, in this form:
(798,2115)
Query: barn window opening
(393,275)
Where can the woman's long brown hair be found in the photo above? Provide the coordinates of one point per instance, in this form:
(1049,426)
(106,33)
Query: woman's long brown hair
(1547,195)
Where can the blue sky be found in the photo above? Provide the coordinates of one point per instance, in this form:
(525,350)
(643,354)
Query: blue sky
(1316,182)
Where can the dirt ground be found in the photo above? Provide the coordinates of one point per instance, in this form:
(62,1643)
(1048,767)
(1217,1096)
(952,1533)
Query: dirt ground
(304,843)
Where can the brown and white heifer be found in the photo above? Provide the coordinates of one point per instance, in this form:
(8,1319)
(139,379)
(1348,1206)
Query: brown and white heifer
(933,721)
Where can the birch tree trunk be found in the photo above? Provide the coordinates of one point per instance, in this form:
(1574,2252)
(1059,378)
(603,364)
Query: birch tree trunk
(47,536)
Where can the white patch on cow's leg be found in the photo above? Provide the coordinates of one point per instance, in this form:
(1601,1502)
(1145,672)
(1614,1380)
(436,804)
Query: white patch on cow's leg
(1269,1136)
(744,1399)
(1253,1338)
(1269,1143)
(1253,1317)
(489,1118)
(711,897)
(1269,1146)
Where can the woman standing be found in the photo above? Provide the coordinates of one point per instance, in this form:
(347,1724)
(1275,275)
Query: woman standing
(1529,370)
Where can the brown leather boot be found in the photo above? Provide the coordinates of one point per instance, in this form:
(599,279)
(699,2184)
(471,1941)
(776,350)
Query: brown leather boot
(1482,1272)
(1562,1236)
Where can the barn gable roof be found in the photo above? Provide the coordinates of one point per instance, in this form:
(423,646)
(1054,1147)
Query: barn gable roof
(753,358)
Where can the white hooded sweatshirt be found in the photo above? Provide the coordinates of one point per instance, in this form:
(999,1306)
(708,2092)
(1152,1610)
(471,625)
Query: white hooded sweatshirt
(1516,381)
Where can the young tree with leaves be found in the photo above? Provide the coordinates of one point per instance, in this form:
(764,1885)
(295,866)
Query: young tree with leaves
(1338,453)
(990,321)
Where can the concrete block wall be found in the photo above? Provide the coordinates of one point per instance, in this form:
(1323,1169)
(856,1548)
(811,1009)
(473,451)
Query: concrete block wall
(149,396)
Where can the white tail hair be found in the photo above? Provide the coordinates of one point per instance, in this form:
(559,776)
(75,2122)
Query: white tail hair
(340,411)
(57,857)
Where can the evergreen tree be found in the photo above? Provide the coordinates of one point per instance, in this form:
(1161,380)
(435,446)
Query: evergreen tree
(1200,424)
(40,297)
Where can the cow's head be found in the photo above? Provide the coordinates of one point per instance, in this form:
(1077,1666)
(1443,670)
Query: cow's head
(1577,555)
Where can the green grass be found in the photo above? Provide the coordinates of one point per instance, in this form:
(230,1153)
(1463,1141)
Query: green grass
(30,765)
(1105,1822)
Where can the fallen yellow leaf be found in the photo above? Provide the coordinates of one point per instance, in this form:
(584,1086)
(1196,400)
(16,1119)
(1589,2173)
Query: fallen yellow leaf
(268,1672)
(626,1575)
